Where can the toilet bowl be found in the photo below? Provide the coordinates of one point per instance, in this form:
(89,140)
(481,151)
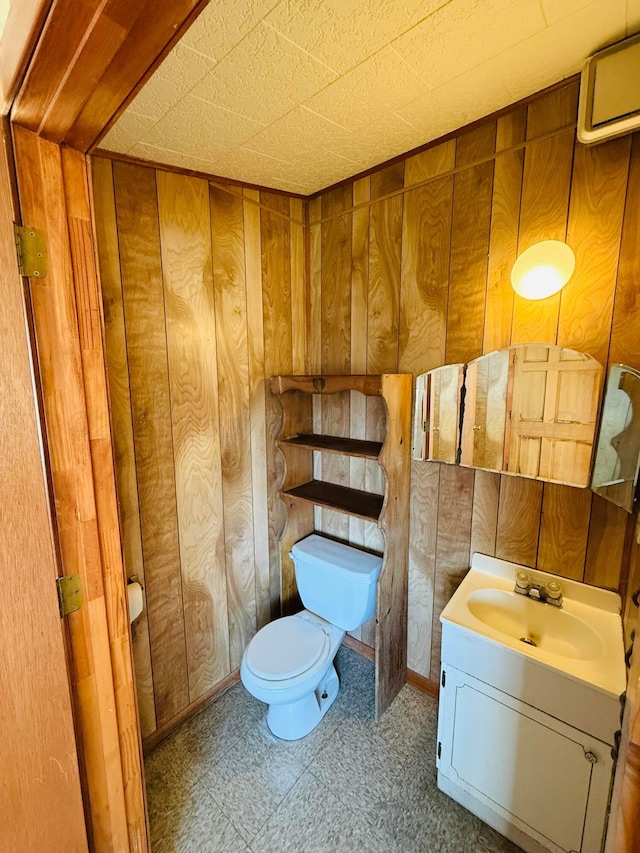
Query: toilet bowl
(289,665)
(289,662)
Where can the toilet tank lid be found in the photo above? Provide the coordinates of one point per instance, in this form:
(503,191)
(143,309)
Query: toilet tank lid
(338,558)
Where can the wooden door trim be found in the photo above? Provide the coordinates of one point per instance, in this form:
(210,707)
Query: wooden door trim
(41,788)
(66,307)
(90,61)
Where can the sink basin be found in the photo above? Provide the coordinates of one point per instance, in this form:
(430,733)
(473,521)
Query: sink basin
(582,639)
(542,626)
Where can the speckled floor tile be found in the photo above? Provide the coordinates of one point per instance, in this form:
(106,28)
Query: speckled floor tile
(197,826)
(418,818)
(312,819)
(410,725)
(358,766)
(223,781)
(169,777)
(204,738)
(356,699)
(250,780)
(305,749)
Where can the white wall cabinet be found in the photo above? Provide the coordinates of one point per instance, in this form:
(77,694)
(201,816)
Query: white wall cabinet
(540,782)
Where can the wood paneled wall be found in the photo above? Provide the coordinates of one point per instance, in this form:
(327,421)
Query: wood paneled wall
(205,297)
(410,269)
(207,293)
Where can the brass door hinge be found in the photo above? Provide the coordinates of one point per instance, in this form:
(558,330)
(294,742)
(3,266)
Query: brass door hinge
(69,594)
(30,251)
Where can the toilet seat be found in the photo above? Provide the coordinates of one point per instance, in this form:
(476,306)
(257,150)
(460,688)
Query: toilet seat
(286,648)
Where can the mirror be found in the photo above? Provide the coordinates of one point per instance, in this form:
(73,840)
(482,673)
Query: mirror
(528,409)
(552,413)
(436,426)
(617,461)
(485,411)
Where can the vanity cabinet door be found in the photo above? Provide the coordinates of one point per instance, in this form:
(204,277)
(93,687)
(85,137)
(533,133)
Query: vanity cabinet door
(547,779)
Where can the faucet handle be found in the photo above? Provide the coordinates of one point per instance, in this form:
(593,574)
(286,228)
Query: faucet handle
(554,590)
(523,582)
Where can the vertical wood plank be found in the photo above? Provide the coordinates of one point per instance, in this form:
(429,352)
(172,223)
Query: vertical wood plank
(625,329)
(598,190)
(257,392)
(183,209)
(503,249)
(425,482)
(336,201)
(475,144)
(511,129)
(484,521)
(276,313)
(564,527)
(336,294)
(553,111)
(227,230)
(140,263)
(315,331)
(605,546)
(122,425)
(336,262)
(358,361)
(425,276)
(518,520)
(383,300)
(385,241)
(469,252)
(315,285)
(453,545)
(430,163)
(298,288)
(387,180)
(543,216)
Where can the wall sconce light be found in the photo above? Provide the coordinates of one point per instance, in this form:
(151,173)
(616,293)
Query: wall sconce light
(543,269)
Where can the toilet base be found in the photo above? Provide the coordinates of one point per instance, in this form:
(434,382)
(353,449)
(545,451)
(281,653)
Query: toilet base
(294,720)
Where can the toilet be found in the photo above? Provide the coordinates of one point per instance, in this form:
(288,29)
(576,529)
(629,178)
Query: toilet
(289,662)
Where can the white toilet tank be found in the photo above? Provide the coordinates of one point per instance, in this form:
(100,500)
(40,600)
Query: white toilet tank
(336,581)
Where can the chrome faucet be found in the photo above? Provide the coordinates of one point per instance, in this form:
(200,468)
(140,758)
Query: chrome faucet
(549,593)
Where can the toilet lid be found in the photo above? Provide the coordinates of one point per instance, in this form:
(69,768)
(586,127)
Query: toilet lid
(285,648)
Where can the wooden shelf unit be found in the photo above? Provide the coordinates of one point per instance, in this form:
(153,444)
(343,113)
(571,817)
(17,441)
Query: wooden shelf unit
(300,492)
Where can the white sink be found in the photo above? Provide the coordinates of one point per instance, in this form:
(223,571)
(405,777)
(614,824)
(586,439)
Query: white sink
(582,639)
(543,626)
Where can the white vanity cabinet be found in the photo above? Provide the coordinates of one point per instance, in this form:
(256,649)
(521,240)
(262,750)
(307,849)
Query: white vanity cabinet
(530,706)
(537,780)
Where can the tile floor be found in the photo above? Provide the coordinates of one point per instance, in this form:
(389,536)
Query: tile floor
(222,782)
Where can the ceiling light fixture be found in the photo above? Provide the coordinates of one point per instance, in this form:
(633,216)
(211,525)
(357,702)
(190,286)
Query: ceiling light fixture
(543,269)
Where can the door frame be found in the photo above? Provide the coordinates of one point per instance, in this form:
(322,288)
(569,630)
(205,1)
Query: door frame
(68,72)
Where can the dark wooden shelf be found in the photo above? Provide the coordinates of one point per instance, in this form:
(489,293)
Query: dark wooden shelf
(335,444)
(352,501)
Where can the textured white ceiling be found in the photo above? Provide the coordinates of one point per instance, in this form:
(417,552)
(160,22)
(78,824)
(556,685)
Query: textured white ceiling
(300,94)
